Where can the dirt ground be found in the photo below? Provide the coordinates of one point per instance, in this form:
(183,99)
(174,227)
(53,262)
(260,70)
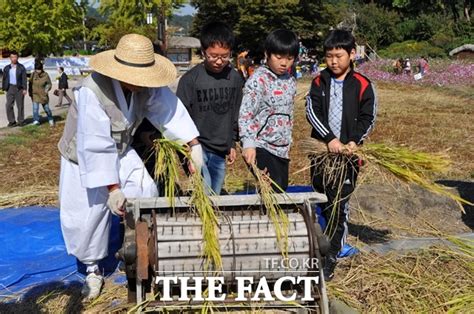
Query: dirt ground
(423,118)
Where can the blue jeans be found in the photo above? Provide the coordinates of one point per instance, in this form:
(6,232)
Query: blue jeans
(213,170)
(36,116)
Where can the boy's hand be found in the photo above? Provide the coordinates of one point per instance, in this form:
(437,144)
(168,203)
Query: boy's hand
(232,156)
(335,146)
(249,155)
(352,146)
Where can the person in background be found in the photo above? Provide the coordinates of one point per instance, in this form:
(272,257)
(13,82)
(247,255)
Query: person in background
(242,64)
(212,93)
(423,65)
(397,66)
(14,83)
(407,66)
(341,108)
(40,85)
(62,88)
(266,113)
(251,66)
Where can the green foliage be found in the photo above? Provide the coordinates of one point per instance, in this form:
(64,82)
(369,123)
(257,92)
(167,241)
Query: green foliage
(41,27)
(428,25)
(85,52)
(377,25)
(253,20)
(182,21)
(412,48)
(400,3)
(256,21)
(435,22)
(214,10)
(125,16)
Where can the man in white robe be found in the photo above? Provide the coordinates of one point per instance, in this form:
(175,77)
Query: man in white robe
(97,173)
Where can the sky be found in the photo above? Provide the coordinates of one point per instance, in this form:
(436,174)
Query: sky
(186,10)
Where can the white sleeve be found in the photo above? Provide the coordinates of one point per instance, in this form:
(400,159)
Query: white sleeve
(168,114)
(96,150)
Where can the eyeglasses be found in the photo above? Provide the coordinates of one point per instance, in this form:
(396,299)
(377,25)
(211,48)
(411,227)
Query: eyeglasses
(215,58)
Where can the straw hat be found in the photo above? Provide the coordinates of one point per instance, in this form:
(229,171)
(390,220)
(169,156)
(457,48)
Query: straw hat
(134,62)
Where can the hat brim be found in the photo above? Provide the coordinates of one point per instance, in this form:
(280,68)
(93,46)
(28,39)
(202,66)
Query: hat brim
(161,73)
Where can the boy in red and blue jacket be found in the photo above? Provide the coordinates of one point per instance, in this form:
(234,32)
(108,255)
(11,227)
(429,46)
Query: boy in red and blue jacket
(341,108)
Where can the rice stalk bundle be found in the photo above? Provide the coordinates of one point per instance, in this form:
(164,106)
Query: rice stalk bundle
(167,165)
(167,169)
(203,206)
(278,217)
(405,164)
(334,168)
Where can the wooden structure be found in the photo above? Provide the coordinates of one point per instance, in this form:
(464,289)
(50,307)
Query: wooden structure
(463,52)
(179,49)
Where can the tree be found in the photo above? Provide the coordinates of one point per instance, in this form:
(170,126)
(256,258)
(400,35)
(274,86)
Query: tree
(130,16)
(41,28)
(377,25)
(211,11)
(253,20)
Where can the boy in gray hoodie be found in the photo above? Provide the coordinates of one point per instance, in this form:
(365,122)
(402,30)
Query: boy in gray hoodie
(266,112)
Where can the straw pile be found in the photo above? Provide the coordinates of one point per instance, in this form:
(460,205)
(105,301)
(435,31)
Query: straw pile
(407,165)
(433,280)
(44,195)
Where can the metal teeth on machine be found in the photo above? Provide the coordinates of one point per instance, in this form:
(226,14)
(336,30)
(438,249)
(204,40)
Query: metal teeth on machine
(172,244)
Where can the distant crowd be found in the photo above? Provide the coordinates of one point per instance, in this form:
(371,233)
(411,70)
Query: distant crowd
(404,66)
(16,86)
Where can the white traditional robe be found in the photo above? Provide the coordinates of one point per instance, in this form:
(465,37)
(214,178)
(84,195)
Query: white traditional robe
(85,217)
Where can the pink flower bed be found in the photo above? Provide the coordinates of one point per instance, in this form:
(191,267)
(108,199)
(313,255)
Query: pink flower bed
(441,72)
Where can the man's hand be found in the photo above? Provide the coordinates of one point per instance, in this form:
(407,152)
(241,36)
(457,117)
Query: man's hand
(249,154)
(232,156)
(116,202)
(335,146)
(196,162)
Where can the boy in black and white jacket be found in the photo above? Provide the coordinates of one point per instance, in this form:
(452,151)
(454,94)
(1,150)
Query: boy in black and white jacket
(341,107)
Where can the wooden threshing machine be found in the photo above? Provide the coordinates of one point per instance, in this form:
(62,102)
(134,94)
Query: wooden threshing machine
(164,241)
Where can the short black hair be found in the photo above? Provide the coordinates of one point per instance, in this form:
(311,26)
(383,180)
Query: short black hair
(283,42)
(61,68)
(14,53)
(38,66)
(339,38)
(217,33)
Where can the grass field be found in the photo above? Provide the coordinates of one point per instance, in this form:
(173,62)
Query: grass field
(427,118)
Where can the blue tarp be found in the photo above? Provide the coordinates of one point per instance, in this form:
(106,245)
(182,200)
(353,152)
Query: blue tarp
(32,249)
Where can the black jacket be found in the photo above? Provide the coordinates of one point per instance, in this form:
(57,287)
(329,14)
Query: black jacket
(62,84)
(20,77)
(358,112)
